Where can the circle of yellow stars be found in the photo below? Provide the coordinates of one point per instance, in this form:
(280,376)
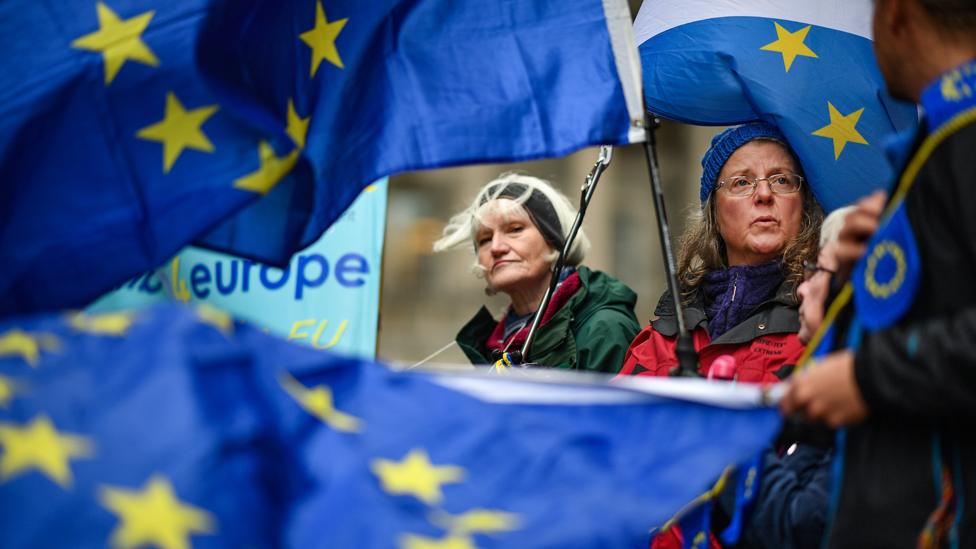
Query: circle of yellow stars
(842,128)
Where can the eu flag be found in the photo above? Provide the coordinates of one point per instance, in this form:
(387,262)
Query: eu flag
(132,430)
(173,427)
(129,128)
(807,67)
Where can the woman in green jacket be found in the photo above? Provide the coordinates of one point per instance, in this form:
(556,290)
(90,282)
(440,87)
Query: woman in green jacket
(516,224)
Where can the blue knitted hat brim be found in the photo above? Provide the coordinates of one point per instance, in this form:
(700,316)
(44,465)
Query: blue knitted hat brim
(725,144)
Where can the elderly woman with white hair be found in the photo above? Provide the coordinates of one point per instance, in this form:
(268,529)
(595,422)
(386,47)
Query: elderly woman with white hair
(516,226)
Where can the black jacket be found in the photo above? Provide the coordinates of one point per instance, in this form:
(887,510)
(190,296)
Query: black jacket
(918,377)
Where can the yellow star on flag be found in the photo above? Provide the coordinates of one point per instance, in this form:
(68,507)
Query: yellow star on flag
(154,516)
(297,127)
(270,170)
(841,129)
(476,521)
(321,38)
(113,324)
(25,345)
(216,318)
(6,391)
(179,129)
(790,44)
(118,40)
(39,446)
(318,402)
(411,541)
(416,476)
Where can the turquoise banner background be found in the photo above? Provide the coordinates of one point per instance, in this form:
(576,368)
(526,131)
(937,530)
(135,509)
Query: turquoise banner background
(327,298)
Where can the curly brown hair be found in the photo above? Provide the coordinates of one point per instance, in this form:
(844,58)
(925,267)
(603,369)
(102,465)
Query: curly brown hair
(702,249)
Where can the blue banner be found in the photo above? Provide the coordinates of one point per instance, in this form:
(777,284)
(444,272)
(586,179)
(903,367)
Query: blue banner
(170,426)
(328,296)
(130,129)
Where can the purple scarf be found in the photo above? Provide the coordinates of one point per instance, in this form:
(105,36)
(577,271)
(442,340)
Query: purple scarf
(732,294)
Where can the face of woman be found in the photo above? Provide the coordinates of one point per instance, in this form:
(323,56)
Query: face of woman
(813,294)
(757,228)
(512,251)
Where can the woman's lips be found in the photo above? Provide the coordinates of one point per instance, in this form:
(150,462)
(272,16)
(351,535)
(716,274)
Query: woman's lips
(501,263)
(765,221)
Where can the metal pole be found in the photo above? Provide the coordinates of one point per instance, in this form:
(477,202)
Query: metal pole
(586,193)
(685,348)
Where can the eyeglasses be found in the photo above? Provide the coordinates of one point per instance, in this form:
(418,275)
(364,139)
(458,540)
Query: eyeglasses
(810,268)
(780,183)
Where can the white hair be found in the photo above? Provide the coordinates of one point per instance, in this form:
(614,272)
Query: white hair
(464,226)
(832,224)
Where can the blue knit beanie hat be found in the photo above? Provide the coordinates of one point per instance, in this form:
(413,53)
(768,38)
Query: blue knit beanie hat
(726,143)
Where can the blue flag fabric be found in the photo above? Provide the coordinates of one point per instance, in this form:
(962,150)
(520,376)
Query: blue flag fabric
(807,67)
(107,422)
(696,527)
(129,129)
(169,424)
(886,278)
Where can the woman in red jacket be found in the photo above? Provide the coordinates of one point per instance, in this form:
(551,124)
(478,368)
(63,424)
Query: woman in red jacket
(740,261)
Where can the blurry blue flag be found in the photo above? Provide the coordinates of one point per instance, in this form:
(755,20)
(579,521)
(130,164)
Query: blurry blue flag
(887,277)
(174,428)
(807,67)
(129,129)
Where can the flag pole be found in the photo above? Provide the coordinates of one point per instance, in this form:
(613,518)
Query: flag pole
(586,194)
(685,349)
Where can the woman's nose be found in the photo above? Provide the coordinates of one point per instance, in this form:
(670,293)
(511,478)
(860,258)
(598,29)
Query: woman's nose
(764,192)
(498,245)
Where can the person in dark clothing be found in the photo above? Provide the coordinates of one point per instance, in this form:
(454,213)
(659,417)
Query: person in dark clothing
(907,394)
(516,224)
(791,510)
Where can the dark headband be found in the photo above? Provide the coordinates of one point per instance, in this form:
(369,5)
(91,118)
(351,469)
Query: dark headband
(540,210)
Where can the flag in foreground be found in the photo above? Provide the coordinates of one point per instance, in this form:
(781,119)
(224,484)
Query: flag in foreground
(129,129)
(807,67)
(177,428)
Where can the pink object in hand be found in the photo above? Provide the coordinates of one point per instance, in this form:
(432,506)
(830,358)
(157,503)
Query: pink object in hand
(723,367)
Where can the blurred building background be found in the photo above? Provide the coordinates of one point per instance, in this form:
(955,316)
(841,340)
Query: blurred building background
(427,297)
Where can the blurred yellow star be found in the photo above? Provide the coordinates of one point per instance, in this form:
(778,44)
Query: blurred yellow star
(113,324)
(270,170)
(790,44)
(321,38)
(411,541)
(154,515)
(26,346)
(476,521)
(416,476)
(39,446)
(6,391)
(841,129)
(179,129)
(118,40)
(297,127)
(216,318)
(318,402)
